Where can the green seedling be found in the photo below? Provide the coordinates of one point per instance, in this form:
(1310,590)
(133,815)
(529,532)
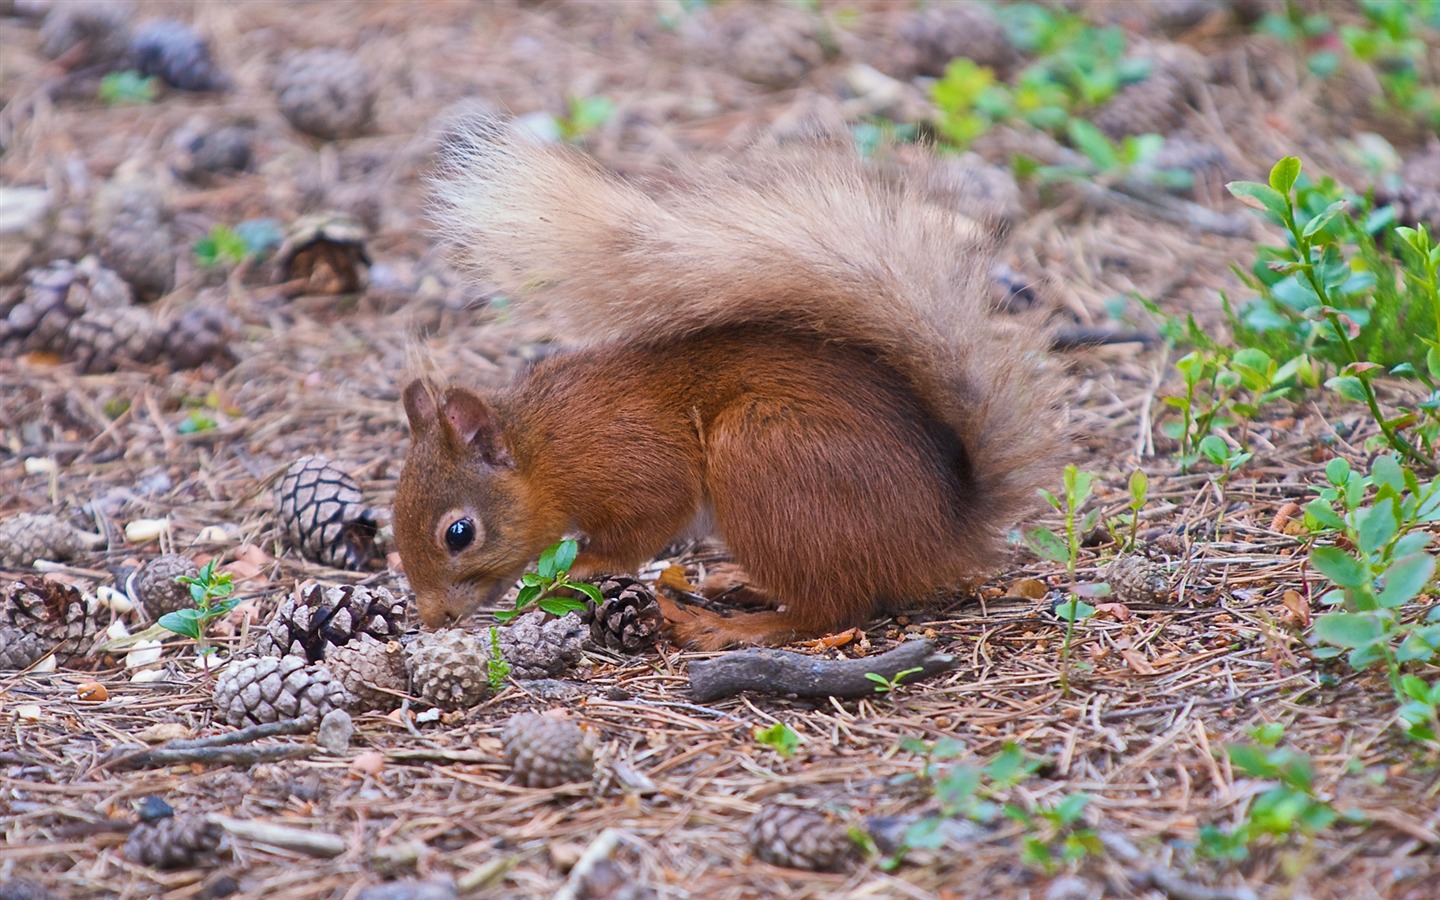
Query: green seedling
(1139,492)
(1047,544)
(542,588)
(583,116)
(496,668)
(211,591)
(778,737)
(127,87)
(885,685)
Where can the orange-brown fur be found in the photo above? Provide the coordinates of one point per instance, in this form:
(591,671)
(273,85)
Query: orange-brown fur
(799,354)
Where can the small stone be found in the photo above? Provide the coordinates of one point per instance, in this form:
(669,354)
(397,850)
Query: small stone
(336,730)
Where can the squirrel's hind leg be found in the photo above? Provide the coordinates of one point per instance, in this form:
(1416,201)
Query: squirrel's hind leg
(703,629)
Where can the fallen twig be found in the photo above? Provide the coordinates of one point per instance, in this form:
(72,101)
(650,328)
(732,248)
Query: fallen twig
(311,843)
(218,749)
(783,672)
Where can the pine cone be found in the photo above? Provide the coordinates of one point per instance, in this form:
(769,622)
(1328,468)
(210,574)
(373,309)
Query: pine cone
(26,537)
(155,587)
(327,93)
(23,889)
(546,751)
(176,842)
(448,669)
(199,335)
(327,252)
(536,646)
(269,689)
(315,620)
(322,513)
(1135,579)
(1160,103)
(57,612)
(132,228)
(775,51)
(103,340)
(201,150)
(177,54)
(800,838)
(372,673)
(39,320)
(21,649)
(930,38)
(629,619)
(103,27)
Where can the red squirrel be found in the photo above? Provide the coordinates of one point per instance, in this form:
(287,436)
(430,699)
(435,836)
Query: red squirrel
(795,353)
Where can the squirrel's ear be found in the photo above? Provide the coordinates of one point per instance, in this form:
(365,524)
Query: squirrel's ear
(419,399)
(472,421)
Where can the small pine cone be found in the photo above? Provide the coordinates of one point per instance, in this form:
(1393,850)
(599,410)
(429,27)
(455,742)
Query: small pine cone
(57,612)
(629,619)
(1135,579)
(327,93)
(1160,103)
(546,751)
(801,838)
(199,335)
(39,319)
(202,150)
(175,842)
(155,587)
(23,889)
(26,537)
(177,54)
(133,231)
(536,646)
(322,514)
(327,253)
(102,26)
(372,673)
(270,689)
(776,50)
(448,669)
(21,648)
(104,340)
(930,38)
(318,618)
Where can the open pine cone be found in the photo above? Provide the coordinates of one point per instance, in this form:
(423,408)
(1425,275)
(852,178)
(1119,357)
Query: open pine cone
(269,689)
(27,537)
(316,619)
(372,672)
(174,842)
(37,614)
(801,838)
(629,619)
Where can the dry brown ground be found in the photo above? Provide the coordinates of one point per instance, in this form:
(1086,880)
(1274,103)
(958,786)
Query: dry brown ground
(1139,732)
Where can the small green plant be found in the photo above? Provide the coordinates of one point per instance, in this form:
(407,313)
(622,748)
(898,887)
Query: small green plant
(584,115)
(1054,834)
(1139,493)
(885,685)
(1132,159)
(1047,544)
(211,591)
(1329,289)
(127,87)
(1289,808)
(778,737)
(1227,458)
(197,421)
(496,668)
(542,587)
(222,246)
(1382,569)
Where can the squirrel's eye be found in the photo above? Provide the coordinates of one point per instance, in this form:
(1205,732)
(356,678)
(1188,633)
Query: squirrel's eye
(460,535)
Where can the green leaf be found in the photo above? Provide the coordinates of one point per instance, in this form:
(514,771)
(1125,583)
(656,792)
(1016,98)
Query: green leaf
(1045,543)
(1258,196)
(1284,173)
(1348,387)
(1340,567)
(560,606)
(118,88)
(565,553)
(1337,471)
(589,590)
(1350,630)
(1071,807)
(546,565)
(1214,449)
(1074,611)
(1092,142)
(526,596)
(1139,488)
(1324,218)
(184,622)
(779,737)
(505,615)
(530,579)
(1377,525)
(1405,579)
(1251,760)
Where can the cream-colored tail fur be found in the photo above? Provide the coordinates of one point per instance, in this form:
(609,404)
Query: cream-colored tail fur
(809,241)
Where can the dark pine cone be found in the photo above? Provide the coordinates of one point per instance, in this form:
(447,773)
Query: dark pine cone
(322,513)
(154,584)
(629,619)
(176,53)
(38,606)
(177,842)
(801,838)
(316,619)
(546,751)
(327,93)
(38,320)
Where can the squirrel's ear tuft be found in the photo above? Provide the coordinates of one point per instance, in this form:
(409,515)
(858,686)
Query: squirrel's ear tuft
(471,420)
(420,405)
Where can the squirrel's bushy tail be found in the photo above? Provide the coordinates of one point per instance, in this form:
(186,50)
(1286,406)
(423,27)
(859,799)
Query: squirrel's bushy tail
(807,241)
